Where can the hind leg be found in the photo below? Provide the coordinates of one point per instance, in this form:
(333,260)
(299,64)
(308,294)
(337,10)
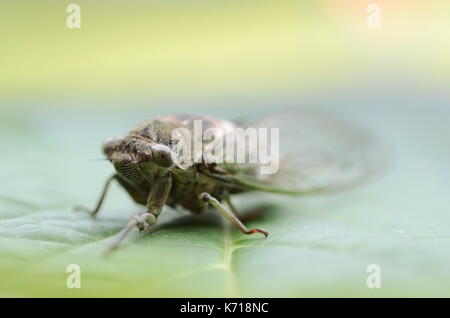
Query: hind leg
(229,215)
(248,216)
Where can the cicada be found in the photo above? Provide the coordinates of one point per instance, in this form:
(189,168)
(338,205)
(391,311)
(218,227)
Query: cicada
(164,161)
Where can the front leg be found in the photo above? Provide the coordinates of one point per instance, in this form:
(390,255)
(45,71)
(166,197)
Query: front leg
(97,208)
(146,221)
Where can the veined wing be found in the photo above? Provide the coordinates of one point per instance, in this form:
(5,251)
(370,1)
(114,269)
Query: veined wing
(316,154)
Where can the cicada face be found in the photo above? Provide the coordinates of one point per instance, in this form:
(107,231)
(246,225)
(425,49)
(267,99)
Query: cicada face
(136,159)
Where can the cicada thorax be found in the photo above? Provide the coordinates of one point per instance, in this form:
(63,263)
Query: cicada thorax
(155,131)
(161,130)
(186,135)
(135,163)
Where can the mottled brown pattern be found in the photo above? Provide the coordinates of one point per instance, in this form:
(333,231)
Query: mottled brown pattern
(137,171)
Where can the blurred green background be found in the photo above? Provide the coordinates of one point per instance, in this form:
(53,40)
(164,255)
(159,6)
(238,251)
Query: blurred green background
(63,91)
(156,49)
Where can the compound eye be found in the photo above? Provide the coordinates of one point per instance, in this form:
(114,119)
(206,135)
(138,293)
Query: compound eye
(162,156)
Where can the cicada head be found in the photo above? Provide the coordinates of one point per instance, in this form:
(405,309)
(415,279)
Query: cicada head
(136,158)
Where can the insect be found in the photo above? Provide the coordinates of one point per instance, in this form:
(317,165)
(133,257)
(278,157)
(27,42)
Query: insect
(316,154)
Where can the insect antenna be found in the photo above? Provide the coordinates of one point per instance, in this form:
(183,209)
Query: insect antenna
(98,159)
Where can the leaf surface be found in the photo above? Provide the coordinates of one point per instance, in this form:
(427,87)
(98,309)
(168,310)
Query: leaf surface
(319,246)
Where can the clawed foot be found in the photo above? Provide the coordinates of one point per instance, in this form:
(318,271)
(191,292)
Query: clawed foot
(144,227)
(143,221)
(262,231)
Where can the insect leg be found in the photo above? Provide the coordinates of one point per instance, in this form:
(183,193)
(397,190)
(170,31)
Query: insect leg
(144,222)
(247,216)
(147,220)
(230,215)
(94,212)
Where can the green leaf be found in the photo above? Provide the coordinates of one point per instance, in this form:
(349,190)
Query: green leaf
(319,246)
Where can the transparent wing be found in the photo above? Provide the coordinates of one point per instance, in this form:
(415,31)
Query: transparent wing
(316,154)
